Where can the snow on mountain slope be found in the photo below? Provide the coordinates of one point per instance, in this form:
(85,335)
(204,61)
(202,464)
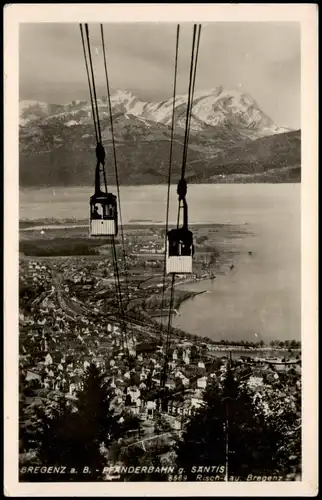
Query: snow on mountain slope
(216,107)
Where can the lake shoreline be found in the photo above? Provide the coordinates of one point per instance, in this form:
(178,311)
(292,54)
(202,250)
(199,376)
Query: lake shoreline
(257,228)
(42,224)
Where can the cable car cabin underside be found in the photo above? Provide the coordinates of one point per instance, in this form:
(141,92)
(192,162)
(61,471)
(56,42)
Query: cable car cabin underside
(179,264)
(102,228)
(103,216)
(179,251)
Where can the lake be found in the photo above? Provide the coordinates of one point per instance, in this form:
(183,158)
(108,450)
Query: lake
(261,296)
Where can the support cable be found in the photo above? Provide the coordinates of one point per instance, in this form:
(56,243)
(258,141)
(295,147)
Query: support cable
(169,175)
(115,161)
(185,143)
(93,79)
(182,185)
(123,322)
(89,83)
(100,154)
(192,94)
(192,81)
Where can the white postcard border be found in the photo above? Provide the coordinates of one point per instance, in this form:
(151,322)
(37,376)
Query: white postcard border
(306,14)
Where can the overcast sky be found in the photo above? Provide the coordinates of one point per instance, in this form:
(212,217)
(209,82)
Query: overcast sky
(262,59)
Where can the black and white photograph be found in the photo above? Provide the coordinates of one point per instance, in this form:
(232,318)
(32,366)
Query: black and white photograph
(159,257)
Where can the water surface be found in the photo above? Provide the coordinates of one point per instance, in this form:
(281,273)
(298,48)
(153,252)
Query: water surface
(260,297)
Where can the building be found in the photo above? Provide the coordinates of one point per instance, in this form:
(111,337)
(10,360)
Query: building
(202,383)
(134,393)
(150,409)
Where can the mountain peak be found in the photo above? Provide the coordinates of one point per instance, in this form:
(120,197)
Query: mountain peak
(214,91)
(122,96)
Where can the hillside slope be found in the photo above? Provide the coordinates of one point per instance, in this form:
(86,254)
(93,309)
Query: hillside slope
(252,161)
(229,137)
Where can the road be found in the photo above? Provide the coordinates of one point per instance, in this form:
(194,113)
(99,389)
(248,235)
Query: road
(152,438)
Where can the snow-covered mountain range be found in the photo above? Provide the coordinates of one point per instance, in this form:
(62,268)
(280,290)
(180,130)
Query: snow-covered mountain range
(231,140)
(216,107)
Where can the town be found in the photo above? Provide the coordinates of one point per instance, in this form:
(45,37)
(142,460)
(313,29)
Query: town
(69,320)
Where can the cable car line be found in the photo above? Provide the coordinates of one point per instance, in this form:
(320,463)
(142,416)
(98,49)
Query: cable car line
(190,102)
(180,240)
(116,269)
(115,167)
(182,186)
(168,338)
(89,82)
(105,199)
(107,226)
(186,135)
(104,225)
(93,80)
(115,160)
(179,249)
(100,152)
(169,173)
(123,322)
(174,233)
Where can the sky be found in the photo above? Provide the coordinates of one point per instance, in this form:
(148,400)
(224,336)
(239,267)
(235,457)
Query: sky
(262,59)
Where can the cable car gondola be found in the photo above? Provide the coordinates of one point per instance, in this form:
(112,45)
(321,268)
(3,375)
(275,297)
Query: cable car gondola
(103,210)
(103,205)
(180,248)
(179,243)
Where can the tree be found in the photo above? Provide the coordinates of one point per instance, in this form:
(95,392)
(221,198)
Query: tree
(135,456)
(293,344)
(72,436)
(54,439)
(203,440)
(230,419)
(161,425)
(285,416)
(130,423)
(94,407)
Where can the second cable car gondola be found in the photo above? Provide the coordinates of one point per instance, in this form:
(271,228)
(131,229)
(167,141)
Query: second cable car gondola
(103,215)
(103,211)
(179,251)
(180,248)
